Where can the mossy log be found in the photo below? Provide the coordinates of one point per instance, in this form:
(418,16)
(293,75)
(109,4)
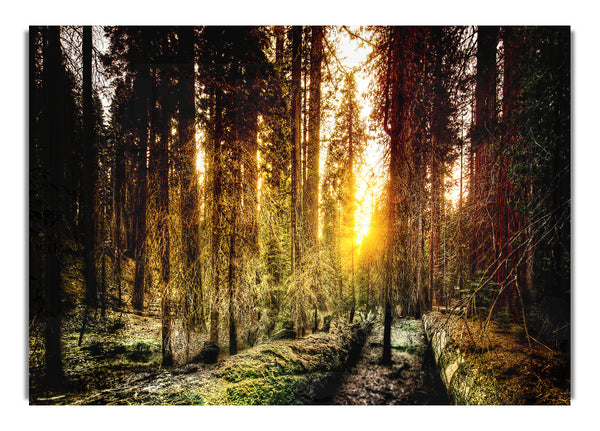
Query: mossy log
(275,373)
(467,381)
(291,372)
(286,333)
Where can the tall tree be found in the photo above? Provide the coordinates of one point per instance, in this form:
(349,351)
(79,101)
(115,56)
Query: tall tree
(162,156)
(398,61)
(311,188)
(88,151)
(482,186)
(295,115)
(190,214)
(120,136)
(142,88)
(54,138)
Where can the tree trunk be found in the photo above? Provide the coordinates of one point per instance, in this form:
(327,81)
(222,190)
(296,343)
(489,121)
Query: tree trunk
(162,161)
(53,131)
(88,213)
(190,217)
(485,123)
(231,287)
(434,241)
(142,89)
(296,142)
(216,162)
(117,209)
(311,188)
(386,357)
(397,126)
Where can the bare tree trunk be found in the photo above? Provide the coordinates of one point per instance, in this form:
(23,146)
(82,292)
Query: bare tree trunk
(296,142)
(434,241)
(117,209)
(189,201)
(141,93)
(88,218)
(164,239)
(386,357)
(216,162)
(53,131)
(485,123)
(311,188)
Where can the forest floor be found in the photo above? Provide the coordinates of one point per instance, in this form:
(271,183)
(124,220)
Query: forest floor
(113,369)
(119,362)
(411,378)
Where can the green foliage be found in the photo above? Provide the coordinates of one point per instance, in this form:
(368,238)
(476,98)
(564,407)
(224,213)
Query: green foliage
(141,351)
(503,319)
(412,349)
(480,294)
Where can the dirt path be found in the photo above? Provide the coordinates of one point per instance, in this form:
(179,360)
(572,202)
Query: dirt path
(411,379)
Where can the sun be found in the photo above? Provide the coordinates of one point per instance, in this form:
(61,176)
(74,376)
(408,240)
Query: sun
(361,226)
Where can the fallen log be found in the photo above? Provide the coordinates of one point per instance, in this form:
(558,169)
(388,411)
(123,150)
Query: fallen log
(292,372)
(282,372)
(467,382)
(485,365)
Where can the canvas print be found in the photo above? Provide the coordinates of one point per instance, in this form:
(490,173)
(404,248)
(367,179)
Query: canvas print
(299,215)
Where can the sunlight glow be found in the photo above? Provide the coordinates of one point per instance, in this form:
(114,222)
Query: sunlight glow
(352,55)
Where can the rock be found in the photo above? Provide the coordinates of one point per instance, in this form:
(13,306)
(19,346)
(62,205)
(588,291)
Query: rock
(287,332)
(208,354)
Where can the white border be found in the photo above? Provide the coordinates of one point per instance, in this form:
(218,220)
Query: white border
(579,14)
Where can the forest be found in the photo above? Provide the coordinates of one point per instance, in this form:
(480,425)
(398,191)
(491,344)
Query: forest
(239,215)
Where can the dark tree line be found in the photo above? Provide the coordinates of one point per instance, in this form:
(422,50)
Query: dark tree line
(426,78)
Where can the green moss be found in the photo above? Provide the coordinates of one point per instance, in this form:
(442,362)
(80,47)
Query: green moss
(283,390)
(288,358)
(412,349)
(288,372)
(142,351)
(190,398)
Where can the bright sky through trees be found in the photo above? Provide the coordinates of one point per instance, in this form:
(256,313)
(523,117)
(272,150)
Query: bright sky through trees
(368,175)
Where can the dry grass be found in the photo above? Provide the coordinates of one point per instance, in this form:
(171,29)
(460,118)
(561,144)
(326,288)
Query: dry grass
(521,373)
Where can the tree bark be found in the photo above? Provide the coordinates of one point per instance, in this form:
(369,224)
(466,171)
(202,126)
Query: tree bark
(296,142)
(162,162)
(190,217)
(88,150)
(311,188)
(434,241)
(142,89)
(53,131)
(482,184)
(216,169)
